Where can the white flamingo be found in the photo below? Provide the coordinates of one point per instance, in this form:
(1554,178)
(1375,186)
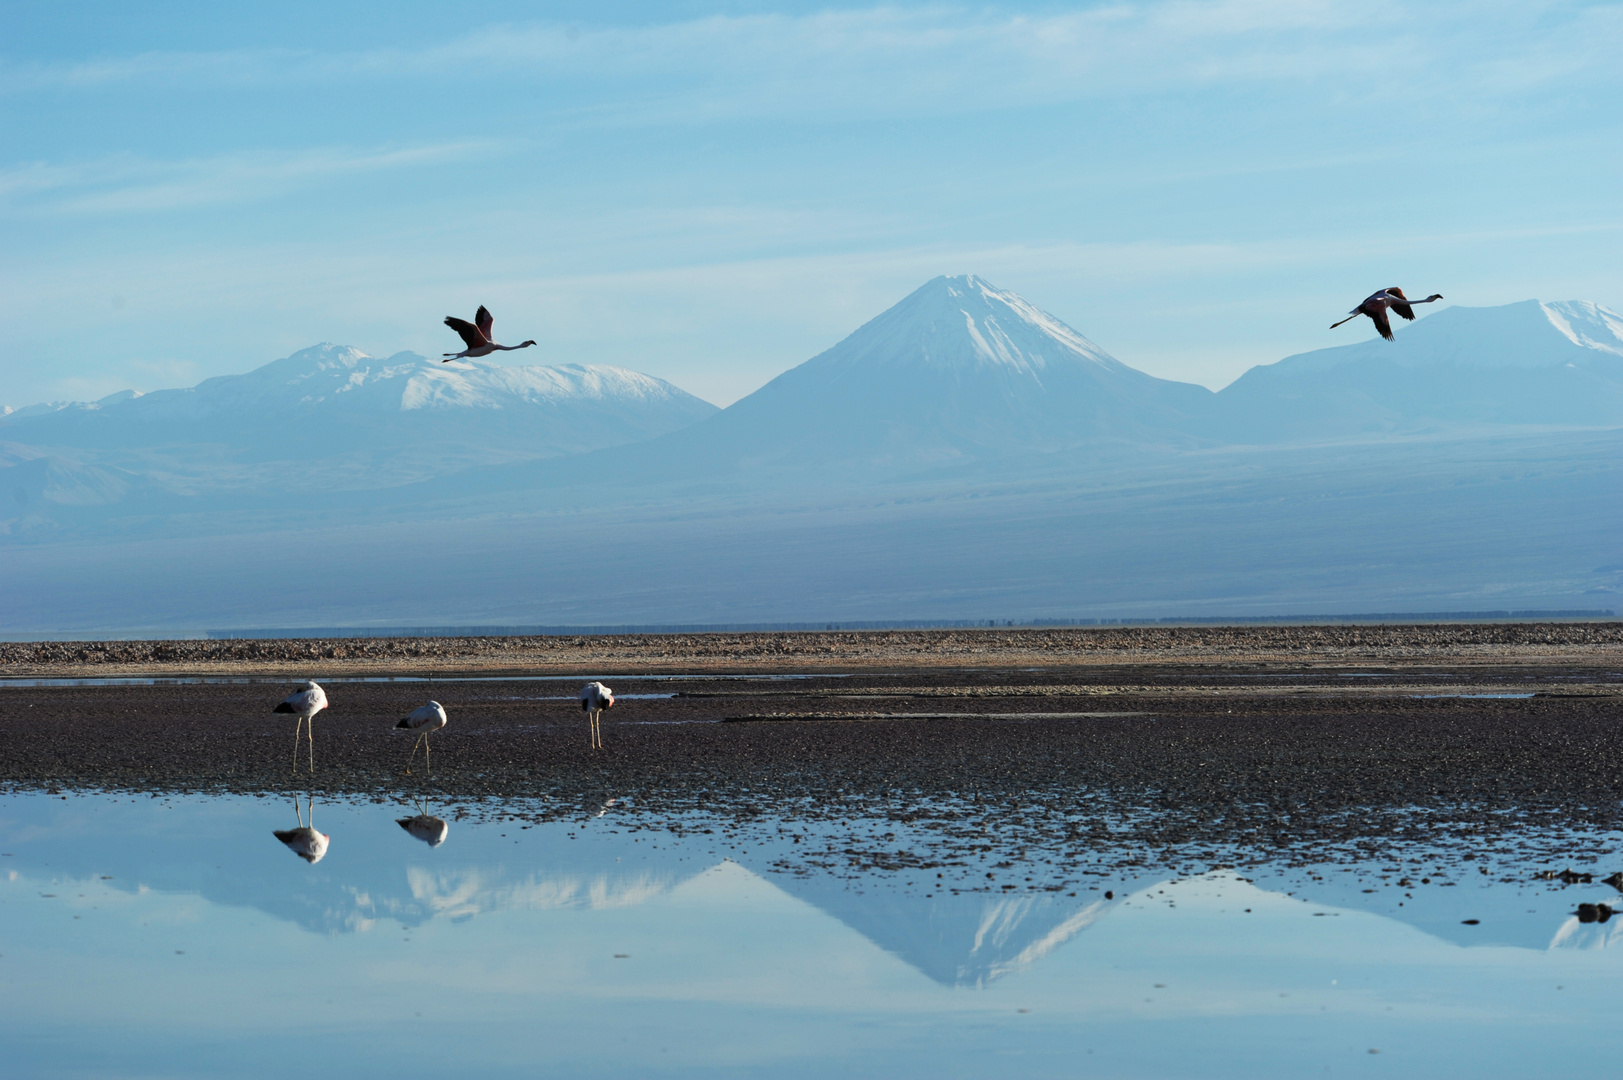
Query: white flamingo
(594,698)
(477,336)
(306,702)
(305,842)
(1376,305)
(423,720)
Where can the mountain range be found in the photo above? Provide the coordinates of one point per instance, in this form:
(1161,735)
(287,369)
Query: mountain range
(328,418)
(963,454)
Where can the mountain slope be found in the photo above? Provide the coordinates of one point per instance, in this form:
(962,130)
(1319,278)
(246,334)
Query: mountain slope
(1522,364)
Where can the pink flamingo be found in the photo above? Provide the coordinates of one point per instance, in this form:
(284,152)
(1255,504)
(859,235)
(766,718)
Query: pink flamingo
(594,698)
(477,335)
(1376,306)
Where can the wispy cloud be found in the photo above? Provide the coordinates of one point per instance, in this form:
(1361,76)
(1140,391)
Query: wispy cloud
(125,183)
(889,59)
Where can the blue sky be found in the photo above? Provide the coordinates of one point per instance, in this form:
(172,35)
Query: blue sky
(713,193)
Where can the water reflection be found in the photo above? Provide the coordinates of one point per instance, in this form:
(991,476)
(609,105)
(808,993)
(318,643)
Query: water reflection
(426,827)
(730,955)
(305,842)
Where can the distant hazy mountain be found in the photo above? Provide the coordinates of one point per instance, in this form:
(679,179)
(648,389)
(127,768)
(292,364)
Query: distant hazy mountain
(1522,364)
(328,417)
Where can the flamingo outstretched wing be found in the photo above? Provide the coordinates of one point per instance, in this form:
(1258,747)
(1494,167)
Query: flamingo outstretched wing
(469,333)
(483,320)
(1400,304)
(1382,323)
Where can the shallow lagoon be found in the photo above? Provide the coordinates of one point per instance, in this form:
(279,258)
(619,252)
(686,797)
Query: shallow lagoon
(176,936)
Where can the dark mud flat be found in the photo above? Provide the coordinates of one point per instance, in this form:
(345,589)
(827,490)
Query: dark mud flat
(1184,765)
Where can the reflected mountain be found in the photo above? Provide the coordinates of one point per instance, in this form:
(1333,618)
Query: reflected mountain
(462,894)
(1579,933)
(970,939)
(304,841)
(1504,913)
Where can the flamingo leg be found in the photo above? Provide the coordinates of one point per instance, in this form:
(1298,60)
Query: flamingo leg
(413,756)
(310,732)
(1348,319)
(298,726)
(428,767)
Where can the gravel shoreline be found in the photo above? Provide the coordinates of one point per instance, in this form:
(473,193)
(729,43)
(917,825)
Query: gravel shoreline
(1474,643)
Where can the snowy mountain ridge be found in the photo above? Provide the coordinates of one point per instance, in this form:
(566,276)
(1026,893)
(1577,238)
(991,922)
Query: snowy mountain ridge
(329,417)
(1528,364)
(328,373)
(1529,334)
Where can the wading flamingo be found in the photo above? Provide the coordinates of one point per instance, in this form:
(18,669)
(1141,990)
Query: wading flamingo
(306,702)
(1376,307)
(477,336)
(429,718)
(594,698)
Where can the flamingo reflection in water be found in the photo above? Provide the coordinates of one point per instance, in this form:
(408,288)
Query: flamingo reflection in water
(305,842)
(426,827)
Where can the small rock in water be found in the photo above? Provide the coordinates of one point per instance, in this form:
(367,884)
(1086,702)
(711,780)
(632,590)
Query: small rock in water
(1588,913)
(1568,876)
(1471,922)
(1615,881)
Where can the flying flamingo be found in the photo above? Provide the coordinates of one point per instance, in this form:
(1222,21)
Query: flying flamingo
(477,335)
(425,719)
(1375,307)
(306,701)
(305,842)
(594,698)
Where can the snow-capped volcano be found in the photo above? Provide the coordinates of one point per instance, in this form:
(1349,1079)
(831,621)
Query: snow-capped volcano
(959,369)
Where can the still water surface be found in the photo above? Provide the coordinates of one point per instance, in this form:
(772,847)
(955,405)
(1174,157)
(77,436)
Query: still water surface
(179,936)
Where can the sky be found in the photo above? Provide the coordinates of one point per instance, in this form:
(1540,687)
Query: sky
(713,193)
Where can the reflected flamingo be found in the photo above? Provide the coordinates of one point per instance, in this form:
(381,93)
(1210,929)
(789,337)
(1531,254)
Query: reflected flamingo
(426,827)
(305,842)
